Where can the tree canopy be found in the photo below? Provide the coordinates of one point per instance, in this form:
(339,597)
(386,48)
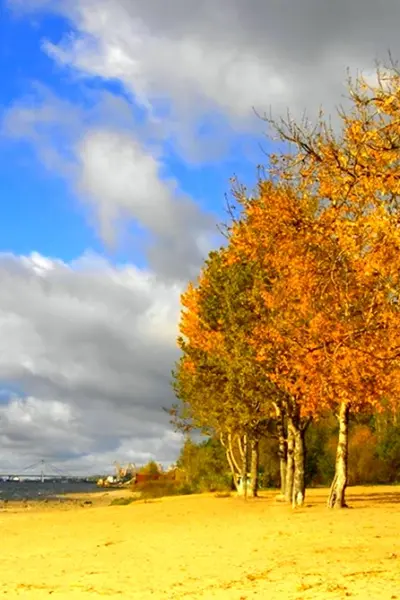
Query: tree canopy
(300,311)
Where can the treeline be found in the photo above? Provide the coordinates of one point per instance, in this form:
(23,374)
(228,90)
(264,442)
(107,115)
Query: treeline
(374,456)
(295,320)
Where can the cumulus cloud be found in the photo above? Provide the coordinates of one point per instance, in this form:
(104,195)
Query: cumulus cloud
(49,123)
(126,183)
(115,43)
(101,154)
(185,57)
(89,347)
(86,348)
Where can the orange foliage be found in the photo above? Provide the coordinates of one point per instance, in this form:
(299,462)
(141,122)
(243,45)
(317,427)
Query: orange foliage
(328,323)
(327,239)
(322,236)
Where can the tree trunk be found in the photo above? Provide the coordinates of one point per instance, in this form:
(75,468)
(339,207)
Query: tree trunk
(244,453)
(282,471)
(338,488)
(297,427)
(282,448)
(233,470)
(289,466)
(230,455)
(254,469)
(299,486)
(239,468)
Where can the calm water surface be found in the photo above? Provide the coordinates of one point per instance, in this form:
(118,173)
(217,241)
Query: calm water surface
(10,490)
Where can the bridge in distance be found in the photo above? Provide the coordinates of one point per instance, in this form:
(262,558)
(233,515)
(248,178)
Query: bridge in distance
(37,476)
(40,471)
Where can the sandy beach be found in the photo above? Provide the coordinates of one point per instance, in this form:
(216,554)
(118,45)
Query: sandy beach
(203,547)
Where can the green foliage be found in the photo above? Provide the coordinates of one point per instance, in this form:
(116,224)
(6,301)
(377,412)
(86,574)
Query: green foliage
(388,451)
(161,488)
(152,468)
(122,501)
(220,384)
(205,465)
(320,442)
(373,458)
(269,463)
(227,307)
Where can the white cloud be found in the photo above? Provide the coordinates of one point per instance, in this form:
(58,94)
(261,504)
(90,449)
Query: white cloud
(117,172)
(185,59)
(89,347)
(126,182)
(122,178)
(92,346)
(189,71)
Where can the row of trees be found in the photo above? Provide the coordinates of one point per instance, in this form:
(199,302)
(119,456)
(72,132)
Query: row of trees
(297,316)
(374,455)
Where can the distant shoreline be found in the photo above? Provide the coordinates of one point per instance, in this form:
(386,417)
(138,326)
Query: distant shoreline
(64,501)
(41,491)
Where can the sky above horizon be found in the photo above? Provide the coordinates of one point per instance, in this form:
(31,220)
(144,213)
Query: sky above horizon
(121,125)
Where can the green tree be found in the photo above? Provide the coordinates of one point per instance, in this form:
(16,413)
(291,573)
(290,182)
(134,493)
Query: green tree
(205,465)
(151,468)
(218,380)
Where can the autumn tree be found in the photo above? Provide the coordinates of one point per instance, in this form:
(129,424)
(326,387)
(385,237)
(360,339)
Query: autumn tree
(301,312)
(353,176)
(275,234)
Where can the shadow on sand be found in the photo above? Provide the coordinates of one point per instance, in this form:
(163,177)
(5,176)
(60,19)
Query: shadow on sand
(374,498)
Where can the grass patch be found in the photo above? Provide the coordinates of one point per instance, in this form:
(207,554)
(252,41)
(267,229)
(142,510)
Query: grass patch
(223,495)
(122,501)
(161,488)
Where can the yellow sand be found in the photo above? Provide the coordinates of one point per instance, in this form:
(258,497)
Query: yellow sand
(204,547)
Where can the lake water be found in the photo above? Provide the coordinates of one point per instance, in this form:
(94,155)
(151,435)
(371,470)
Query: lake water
(36,490)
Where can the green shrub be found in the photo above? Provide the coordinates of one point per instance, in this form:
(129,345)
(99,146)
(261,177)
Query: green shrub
(122,501)
(186,490)
(205,465)
(152,468)
(163,487)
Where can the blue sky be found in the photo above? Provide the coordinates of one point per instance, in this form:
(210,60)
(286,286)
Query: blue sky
(121,123)
(40,210)
(55,117)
